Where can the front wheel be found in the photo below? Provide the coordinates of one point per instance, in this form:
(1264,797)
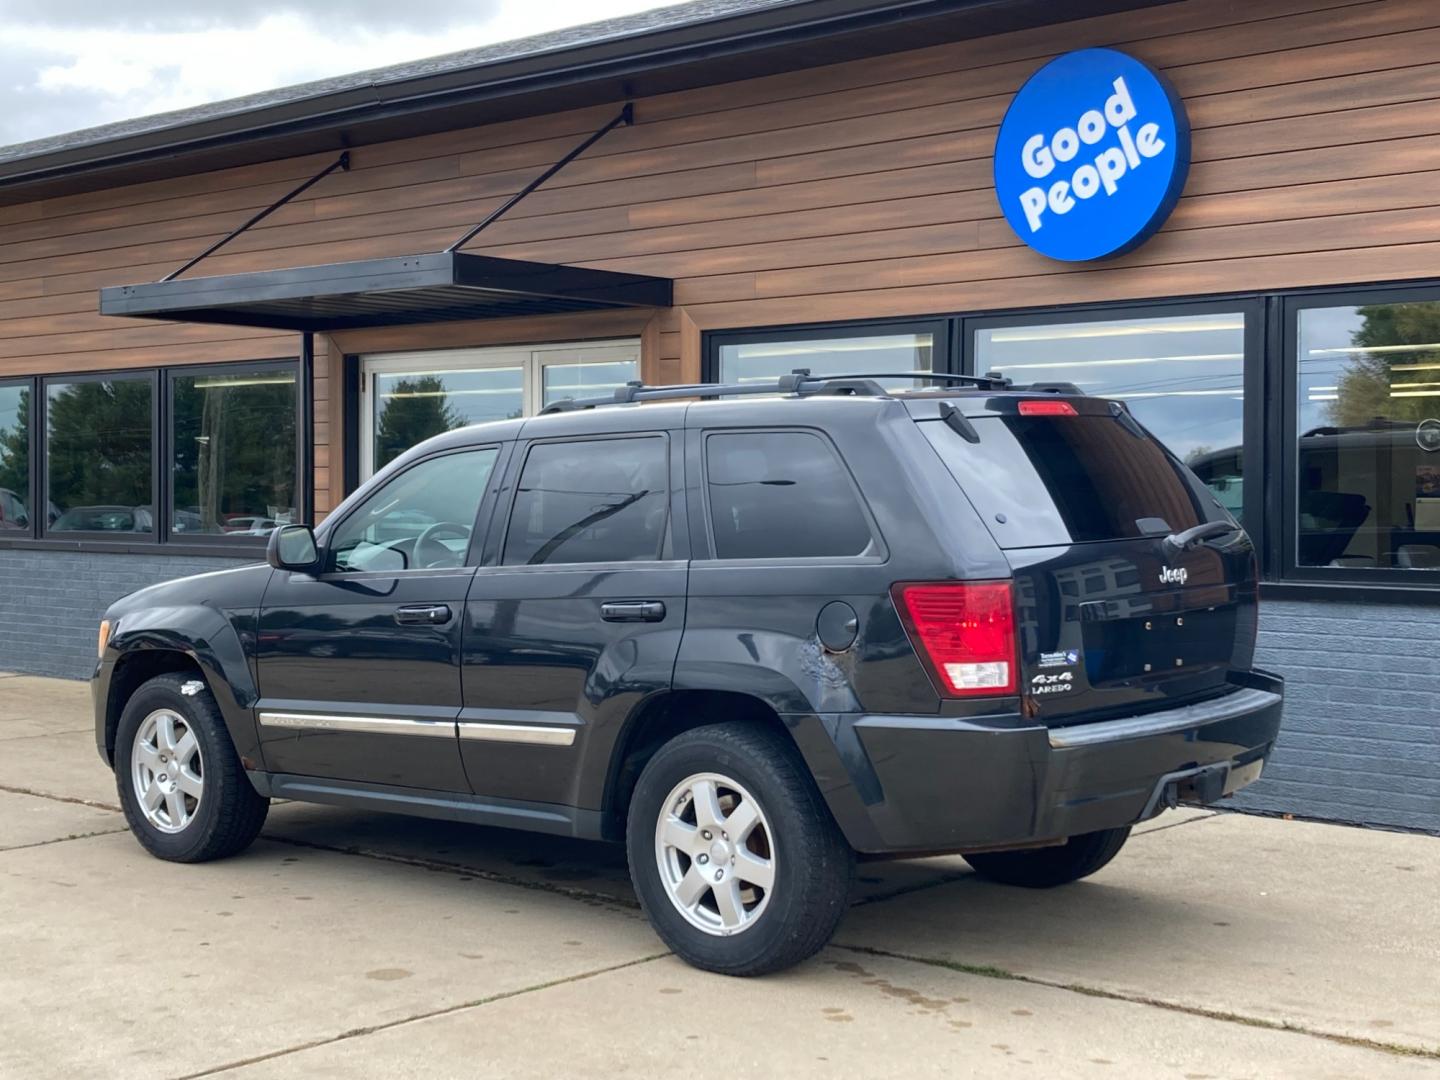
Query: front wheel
(1044,868)
(181,785)
(734,855)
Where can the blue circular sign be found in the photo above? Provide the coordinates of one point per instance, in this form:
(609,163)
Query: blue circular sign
(1091,156)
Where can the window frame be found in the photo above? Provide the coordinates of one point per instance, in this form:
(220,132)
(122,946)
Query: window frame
(712,555)
(942,330)
(166,437)
(506,506)
(1288,425)
(32,464)
(1252,370)
(159,540)
(532,360)
(157,512)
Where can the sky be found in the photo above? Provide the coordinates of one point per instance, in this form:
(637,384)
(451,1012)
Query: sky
(71,64)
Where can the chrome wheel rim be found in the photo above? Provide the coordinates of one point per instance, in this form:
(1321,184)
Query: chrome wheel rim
(716,854)
(167,771)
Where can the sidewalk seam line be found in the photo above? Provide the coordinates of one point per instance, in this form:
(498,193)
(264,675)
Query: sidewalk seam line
(46,734)
(1394,1049)
(1176,825)
(63,839)
(59,798)
(355,1033)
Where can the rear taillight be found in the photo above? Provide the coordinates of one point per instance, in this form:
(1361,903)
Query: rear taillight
(1047,408)
(965,633)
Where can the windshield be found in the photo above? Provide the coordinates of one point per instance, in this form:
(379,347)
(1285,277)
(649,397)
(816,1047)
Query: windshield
(1040,481)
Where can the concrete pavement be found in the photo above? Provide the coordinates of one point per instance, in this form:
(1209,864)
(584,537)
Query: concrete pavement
(346,944)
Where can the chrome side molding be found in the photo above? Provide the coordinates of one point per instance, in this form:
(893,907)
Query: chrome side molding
(374,725)
(517,733)
(530,734)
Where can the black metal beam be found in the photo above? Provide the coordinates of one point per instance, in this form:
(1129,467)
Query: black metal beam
(626,117)
(342,162)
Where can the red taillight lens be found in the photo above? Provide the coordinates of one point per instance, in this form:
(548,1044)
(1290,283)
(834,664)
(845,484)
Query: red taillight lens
(965,632)
(1047,408)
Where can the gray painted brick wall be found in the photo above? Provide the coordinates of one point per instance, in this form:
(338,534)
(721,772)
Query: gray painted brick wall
(1361,736)
(51,602)
(1361,740)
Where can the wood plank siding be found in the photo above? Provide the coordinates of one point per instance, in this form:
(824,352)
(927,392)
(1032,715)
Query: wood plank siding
(857,190)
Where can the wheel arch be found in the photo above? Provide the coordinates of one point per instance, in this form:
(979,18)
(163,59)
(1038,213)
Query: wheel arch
(660,718)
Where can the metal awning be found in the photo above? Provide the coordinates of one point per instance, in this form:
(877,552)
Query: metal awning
(439,287)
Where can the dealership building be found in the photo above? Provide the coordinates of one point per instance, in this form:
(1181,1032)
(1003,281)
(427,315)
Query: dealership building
(1227,215)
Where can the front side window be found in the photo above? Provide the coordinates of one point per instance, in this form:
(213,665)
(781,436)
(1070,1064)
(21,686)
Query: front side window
(15,511)
(1367,482)
(602,500)
(419,520)
(782,495)
(232,435)
(1182,376)
(99,460)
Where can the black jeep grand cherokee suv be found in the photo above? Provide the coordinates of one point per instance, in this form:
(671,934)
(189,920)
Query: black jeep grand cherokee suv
(748,637)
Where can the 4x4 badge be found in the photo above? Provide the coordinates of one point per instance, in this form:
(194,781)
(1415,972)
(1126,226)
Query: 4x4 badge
(1173,575)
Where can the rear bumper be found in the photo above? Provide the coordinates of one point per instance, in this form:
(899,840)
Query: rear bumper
(929,784)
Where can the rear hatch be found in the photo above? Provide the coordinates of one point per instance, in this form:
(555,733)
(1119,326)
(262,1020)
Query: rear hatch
(1113,617)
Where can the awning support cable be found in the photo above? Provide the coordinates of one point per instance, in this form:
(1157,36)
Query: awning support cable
(626,118)
(342,162)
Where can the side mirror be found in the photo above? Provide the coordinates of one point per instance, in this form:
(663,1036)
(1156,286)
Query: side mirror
(293,547)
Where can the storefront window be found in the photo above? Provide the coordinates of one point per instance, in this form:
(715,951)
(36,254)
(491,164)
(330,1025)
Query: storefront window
(99,455)
(15,513)
(233,439)
(415,396)
(413,406)
(874,353)
(1182,376)
(1368,431)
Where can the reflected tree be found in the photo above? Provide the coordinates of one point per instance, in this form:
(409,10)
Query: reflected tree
(1364,393)
(415,409)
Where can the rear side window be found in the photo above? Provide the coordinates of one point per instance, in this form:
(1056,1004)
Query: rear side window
(602,500)
(1042,480)
(782,495)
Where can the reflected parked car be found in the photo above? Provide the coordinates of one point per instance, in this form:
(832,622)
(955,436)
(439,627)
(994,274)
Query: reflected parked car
(13,514)
(105,519)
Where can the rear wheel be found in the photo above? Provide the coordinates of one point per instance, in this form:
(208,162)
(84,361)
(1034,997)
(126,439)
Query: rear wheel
(734,855)
(1044,868)
(181,785)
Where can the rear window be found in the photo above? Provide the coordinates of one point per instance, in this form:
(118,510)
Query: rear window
(1040,480)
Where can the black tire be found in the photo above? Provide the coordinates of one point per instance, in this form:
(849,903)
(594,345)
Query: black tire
(813,865)
(1044,868)
(228,814)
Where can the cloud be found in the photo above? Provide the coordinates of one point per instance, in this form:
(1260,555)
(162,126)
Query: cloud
(72,64)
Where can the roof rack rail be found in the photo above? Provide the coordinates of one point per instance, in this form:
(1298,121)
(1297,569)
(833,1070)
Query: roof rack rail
(799,382)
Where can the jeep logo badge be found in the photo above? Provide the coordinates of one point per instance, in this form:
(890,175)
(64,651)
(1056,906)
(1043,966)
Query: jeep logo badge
(1170,575)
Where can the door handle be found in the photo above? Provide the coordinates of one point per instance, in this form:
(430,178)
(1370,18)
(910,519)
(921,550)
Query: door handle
(632,611)
(423,614)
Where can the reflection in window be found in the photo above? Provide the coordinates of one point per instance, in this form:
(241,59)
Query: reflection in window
(411,407)
(1368,479)
(1182,376)
(233,439)
(759,361)
(98,455)
(597,501)
(14,457)
(420,519)
(582,380)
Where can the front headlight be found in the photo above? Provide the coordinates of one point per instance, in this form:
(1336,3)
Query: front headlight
(104,638)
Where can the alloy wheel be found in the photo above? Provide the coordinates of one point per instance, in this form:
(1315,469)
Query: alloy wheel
(167,770)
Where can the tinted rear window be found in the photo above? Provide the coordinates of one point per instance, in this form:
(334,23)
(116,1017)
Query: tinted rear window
(1071,480)
(782,495)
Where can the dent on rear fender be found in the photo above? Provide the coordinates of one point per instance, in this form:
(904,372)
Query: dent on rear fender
(791,674)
